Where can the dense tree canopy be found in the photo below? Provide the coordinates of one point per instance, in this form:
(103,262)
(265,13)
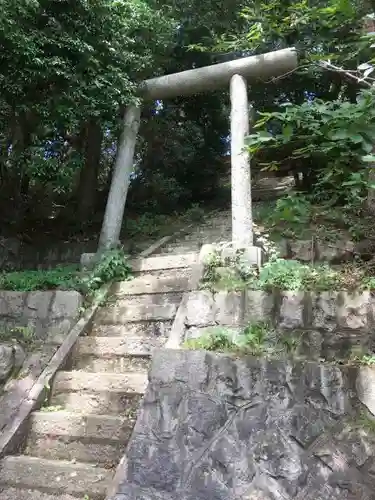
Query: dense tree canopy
(68,68)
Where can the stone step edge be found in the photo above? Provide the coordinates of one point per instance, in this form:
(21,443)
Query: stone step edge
(76,426)
(163,262)
(114,347)
(93,382)
(150,285)
(10,492)
(23,463)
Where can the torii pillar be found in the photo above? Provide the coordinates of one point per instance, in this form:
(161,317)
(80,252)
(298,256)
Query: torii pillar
(234,73)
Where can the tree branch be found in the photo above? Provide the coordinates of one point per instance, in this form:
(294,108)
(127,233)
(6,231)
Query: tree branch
(351,75)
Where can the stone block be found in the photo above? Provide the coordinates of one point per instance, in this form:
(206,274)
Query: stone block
(308,422)
(353,310)
(6,361)
(88,260)
(252,256)
(341,250)
(365,385)
(12,304)
(282,248)
(303,250)
(344,249)
(258,306)
(324,310)
(200,308)
(229,308)
(324,386)
(292,310)
(66,304)
(326,251)
(311,344)
(58,330)
(38,304)
(207,253)
(195,332)
(357,442)
(228,253)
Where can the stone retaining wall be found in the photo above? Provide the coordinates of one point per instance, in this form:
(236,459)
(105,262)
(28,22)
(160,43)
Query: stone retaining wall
(333,322)
(32,327)
(234,429)
(315,251)
(45,313)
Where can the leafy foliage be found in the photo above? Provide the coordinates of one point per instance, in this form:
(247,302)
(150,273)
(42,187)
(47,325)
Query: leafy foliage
(215,340)
(332,140)
(292,275)
(257,339)
(112,266)
(31,280)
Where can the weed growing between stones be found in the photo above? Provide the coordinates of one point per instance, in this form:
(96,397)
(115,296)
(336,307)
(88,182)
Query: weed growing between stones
(216,339)
(231,273)
(112,266)
(257,339)
(366,422)
(24,335)
(365,359)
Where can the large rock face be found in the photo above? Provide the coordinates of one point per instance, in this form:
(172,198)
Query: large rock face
(215,427)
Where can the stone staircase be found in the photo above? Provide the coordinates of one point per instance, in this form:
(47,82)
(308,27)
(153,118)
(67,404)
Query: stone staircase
(215,227)
(74,444)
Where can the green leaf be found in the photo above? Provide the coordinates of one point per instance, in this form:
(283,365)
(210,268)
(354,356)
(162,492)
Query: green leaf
(287,131)
(368,159)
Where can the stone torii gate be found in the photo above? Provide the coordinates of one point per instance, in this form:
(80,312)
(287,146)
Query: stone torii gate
(188,83)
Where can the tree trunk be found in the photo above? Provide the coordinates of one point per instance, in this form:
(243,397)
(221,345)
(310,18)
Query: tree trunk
(242,221)
(114,211)
(88,180)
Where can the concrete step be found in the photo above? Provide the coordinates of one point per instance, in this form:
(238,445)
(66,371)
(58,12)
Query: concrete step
(97,428)
(208,237)
(144,300)
(140,328)
(161,262)
(168,282)
(108,347)
(115,354)
(98,403)
(18,494)
(64,448)
(81,381)
(117,364)
(177,249)
(133,313)
(55,476)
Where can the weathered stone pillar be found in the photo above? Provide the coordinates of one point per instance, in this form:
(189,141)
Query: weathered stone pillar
(123,168)
(242,222)
(369,28)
